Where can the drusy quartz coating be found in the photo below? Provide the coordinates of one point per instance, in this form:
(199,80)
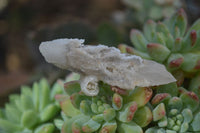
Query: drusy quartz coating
(103,63)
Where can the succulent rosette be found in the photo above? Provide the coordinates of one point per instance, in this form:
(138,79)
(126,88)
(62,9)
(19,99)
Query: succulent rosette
(112,110)
(32,111)
(171,43)
(175,114)
(141,10)
(195,85)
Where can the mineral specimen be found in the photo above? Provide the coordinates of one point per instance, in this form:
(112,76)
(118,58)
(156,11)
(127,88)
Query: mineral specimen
(103,63)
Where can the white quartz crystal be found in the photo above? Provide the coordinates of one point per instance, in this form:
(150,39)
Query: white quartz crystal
(102,63)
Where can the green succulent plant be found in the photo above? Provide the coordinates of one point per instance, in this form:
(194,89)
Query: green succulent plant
(195,85)
(110,112)
(32,111)
(175,114)
(142,10)
(170,43)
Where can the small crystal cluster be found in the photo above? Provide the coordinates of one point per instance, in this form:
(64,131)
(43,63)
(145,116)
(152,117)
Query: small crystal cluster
(103,63)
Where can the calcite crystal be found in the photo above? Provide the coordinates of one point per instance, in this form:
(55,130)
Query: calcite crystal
(103,63)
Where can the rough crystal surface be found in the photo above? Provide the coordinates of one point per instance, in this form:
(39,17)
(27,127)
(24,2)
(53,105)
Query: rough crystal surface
(104,63)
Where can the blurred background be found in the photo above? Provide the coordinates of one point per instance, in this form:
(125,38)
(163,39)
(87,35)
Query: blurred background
(24,24)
